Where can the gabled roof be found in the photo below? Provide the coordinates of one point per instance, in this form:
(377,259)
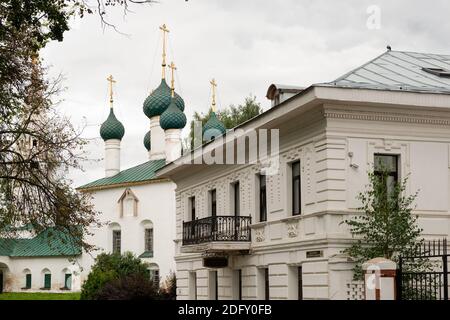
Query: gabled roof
(399,71)
(139,174)
(49,243)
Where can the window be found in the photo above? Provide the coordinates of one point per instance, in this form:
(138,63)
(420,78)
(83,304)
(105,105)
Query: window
(213,285)
(213,202)
(266,284)
(388,163)
(116,241)
(47,281)
(68,281)
(240,284)
(236,199)
(192,208)
(154,276)
(296,188)
(262,198)
(148,240)
(28,281)
(300,283)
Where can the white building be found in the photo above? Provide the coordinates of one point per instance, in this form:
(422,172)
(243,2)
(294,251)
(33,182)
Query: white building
(241,234)
(136,207)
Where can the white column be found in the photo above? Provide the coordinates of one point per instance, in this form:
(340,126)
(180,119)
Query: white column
(157,150)
(112,157)
(173,144)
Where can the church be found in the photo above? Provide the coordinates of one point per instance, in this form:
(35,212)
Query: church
(136,207)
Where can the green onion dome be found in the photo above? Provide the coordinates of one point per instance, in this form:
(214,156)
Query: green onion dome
(147,143)
(158,101)
(179,102)
(112,128)
(173,117)
(213,128)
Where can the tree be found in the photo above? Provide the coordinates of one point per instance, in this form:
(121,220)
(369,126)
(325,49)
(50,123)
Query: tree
(230,117)
(49,19)
(386,227)
(112,272)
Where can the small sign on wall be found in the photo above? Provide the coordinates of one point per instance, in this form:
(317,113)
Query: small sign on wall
(314,254)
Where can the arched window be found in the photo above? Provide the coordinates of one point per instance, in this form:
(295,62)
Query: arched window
(46,279)
(116,237)
(148,235)
(26,279)
(66,279)
(153,271)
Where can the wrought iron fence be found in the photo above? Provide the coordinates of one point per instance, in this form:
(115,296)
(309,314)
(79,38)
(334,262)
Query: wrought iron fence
(424,274)
(217,228)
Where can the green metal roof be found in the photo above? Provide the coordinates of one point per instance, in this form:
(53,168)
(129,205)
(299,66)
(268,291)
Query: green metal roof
(147,254)
(49,243)
(140,173)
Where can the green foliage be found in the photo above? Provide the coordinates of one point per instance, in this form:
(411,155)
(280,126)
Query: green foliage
(129,287)
(230,117)
(386,228)
(108,268)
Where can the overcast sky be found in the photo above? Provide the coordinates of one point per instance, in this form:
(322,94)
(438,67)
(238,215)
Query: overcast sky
(244,45)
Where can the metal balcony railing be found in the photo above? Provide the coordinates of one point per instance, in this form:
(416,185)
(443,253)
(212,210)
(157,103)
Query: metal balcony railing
(217,228)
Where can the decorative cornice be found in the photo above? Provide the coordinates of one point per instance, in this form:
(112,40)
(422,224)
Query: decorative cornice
(386,116)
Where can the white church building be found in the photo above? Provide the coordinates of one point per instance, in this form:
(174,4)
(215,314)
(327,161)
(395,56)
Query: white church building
(137,208)
(245,234)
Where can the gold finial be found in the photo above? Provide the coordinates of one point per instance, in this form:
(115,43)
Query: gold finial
(172,82)
(111,82)
(213,85)
(164,30)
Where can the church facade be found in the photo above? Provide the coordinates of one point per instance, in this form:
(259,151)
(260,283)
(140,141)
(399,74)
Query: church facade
(246,232)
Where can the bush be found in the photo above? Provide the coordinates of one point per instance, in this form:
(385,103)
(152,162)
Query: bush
(108,269)
(131,287)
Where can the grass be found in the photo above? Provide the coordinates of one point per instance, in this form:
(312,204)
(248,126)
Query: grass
(39,296)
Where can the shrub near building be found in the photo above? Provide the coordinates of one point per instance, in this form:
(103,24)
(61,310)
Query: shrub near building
(119,277)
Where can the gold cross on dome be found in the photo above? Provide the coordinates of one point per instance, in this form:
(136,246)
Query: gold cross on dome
(111,81)
(164,29)
(172,82)
(213,85)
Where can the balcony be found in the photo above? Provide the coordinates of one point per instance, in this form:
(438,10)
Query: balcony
(217,234)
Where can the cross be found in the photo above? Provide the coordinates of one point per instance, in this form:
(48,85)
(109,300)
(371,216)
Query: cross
(164,30)
(173,68)
(213,85)
(111,81)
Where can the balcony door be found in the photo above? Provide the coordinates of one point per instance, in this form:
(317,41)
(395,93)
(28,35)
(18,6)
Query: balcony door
(237,209)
